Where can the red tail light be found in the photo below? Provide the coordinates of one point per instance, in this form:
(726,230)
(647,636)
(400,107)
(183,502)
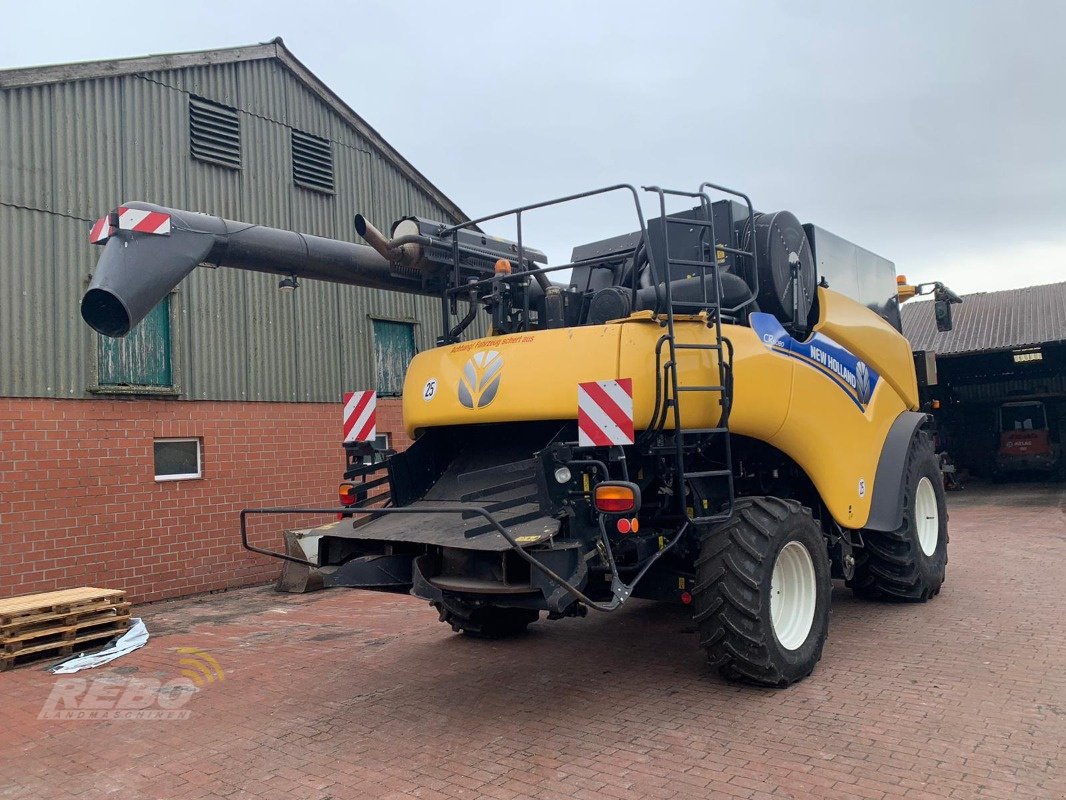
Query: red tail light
(616,497)
(348,493)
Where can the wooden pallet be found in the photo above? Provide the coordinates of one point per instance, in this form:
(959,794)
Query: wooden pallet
(65,601)
(56,624)
(52,619)
(54,650)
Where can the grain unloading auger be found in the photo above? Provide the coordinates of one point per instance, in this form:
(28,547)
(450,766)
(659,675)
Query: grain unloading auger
(693,416)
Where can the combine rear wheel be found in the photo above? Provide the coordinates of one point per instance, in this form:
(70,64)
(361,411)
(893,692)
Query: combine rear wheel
(489,622)
(762,593)
(910,562)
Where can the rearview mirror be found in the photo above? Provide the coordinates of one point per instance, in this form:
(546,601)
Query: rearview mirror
(942,310)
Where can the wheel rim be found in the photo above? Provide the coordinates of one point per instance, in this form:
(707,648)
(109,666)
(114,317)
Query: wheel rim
(793,595)
(926,516)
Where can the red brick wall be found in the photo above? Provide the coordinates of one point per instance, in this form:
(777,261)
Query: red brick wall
(79,504)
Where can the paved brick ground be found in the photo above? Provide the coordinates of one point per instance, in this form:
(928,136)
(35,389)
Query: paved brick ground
(345,694)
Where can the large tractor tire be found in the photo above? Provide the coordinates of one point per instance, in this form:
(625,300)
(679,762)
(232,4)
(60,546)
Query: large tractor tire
(489,622)
(909,563)
(762,593)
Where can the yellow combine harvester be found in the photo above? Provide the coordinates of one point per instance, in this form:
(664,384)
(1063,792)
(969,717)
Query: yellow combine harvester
(716,409)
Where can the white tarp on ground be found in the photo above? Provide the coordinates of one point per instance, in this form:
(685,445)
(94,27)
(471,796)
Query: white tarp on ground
(133,639)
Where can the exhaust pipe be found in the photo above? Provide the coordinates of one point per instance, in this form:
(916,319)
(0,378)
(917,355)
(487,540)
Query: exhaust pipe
(137,270)
(373,236)
(404,249)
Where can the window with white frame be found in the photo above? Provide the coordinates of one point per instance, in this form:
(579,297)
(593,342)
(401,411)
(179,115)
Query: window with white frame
(177,459)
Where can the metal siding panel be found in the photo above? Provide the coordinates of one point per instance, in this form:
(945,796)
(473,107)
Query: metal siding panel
(356,352)
(262,88)
(391,199)
(317,306)
(218,82)
(264,188)
(347,136)
(28,313)
(354,192)
(423,206)
(212,335)
(303,109)
(26,120)
(318,374)
(74,343)
(427,311)
(87,151)
(314,212)
(213,315)
(271,339)
(269,314)
(153,130)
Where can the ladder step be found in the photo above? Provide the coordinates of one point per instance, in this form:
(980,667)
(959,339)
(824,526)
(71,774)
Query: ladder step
(701,223)
(709,306)
(689,262)
(697,347)
(701,388)
(736,251)
(709,473)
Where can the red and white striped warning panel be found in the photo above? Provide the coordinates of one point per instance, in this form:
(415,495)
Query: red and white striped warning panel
(605,413)
(360,416)
(101,230)
(141,221)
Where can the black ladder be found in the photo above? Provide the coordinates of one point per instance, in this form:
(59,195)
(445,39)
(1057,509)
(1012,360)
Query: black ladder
(688,440)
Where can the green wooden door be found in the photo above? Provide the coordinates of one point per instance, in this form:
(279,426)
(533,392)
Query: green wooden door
(394,347)
(142,358)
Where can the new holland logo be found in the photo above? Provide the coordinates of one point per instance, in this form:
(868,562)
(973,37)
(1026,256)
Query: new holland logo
(862,382)
(481,379)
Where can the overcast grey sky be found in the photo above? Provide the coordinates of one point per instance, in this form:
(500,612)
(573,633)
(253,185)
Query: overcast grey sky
(933,133)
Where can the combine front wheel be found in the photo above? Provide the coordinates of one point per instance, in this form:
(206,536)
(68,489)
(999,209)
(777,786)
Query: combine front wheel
(909,563)
(762,593)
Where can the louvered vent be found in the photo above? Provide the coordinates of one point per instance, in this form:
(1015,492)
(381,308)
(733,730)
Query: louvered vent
(214,133)
(312,162)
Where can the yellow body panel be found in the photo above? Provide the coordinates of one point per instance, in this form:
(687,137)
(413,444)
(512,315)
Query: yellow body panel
(837,444)
(870,338)
(781,398)
(539,373)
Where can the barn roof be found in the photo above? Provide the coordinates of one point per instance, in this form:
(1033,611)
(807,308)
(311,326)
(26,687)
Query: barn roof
(274,49)
(990,321)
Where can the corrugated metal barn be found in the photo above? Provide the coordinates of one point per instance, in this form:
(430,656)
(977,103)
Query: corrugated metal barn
(152,482)
(1001,376)
(247,133)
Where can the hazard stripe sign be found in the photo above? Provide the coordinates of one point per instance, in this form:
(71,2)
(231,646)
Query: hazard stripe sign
(360,416)
(101,230)
(141,221)
(605,413)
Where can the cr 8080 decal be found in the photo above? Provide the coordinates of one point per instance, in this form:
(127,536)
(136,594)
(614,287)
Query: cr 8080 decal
(852,375)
